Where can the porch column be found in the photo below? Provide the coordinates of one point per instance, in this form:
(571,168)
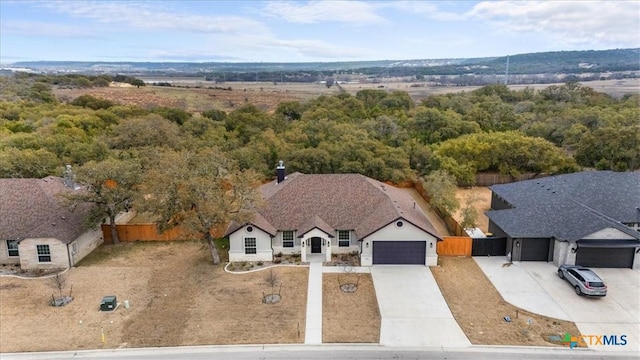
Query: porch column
(303,250)
(327,251)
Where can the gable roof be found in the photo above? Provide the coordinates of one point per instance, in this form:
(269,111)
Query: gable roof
(30,208)
(332,202)
(571,206)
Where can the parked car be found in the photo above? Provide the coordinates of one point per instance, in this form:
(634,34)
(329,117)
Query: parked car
(583,280)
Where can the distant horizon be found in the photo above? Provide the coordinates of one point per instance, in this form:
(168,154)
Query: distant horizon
(299,62)
(254,31)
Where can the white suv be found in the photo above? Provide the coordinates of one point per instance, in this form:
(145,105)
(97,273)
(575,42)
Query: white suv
(584,281)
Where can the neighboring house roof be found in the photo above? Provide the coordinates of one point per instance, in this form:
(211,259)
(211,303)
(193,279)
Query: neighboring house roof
(332,202)
(571,206)
(31,208)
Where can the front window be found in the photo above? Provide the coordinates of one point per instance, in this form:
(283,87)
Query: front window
(287,239)
(44,254)
(12,248)
(344,238)
(249,245)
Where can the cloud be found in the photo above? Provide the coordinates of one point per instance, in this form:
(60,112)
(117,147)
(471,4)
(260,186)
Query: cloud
(349,12)
(566,22)
(424,8)
(154,16)
(36,28)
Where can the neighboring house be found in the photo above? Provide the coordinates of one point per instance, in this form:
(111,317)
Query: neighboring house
(335,214)
(589,218)
(37,231)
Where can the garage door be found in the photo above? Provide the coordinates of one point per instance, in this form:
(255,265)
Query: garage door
(399,252)
(535,250)
(605,257)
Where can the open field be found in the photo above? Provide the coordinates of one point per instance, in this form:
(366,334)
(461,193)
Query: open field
(177,298)
(196,95)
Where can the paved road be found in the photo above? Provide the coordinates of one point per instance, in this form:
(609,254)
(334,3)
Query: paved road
(322,352)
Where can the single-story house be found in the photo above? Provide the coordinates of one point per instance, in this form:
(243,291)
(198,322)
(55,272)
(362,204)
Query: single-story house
(589,218)
(37,231)
(335,214)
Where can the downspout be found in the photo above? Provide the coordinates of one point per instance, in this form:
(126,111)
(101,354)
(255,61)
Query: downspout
(69,256)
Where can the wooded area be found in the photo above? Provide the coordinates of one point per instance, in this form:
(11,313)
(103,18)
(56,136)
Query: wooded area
(384,135)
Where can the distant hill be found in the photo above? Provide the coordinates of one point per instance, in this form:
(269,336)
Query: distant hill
(566,62)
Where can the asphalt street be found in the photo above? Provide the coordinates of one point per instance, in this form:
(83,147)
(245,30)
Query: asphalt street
(317,352)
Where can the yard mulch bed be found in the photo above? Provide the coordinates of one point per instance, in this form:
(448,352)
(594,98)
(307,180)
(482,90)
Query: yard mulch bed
(349,317)
(480,310)
(176,298)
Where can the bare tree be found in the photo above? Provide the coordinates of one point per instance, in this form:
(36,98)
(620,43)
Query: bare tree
(272,279)
(58,282)
(469,212)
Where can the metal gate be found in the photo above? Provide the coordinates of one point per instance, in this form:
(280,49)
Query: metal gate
(489,246)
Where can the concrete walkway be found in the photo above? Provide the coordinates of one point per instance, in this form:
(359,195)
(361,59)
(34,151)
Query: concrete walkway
(313,331)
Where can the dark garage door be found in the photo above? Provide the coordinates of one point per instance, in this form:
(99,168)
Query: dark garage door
(399,252)
(535,250)
(605,257)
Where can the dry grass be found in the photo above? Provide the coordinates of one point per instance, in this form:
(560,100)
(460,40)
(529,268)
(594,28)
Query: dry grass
(480,310)
(177,298)
(483,204)
(196,95)
(349,317)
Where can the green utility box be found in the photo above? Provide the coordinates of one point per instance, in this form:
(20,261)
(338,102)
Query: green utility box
(108,303)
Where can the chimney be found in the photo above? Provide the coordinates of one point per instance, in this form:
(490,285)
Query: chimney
(280,174)
(68,177)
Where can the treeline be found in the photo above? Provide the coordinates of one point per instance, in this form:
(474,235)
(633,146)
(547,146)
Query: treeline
(382,135)
(18,83)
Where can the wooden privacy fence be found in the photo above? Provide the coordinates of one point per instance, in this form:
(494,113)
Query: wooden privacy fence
(454,246)
(452,225)
(488,179)
(141,232)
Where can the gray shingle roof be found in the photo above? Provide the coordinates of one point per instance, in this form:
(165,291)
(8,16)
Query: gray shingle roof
(337,202)
(30,208)
(569,206)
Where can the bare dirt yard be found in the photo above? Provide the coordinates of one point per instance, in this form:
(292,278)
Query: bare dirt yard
(176,298)
(349,317)
(481,202)
(480,310)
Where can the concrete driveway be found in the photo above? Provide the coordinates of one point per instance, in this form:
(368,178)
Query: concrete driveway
(412,309)
(535,286)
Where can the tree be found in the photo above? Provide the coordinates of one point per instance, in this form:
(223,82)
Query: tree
(441,188)
(469,212)
(151,130)
(42,92)
(110,185)
(198,191)
(329,83)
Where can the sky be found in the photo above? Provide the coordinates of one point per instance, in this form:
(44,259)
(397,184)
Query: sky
(308,31)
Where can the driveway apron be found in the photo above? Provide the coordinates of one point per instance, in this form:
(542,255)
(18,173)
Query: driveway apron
(536,287)
(412,309)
